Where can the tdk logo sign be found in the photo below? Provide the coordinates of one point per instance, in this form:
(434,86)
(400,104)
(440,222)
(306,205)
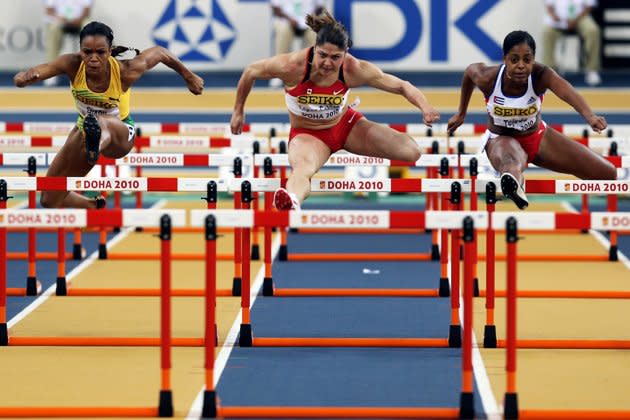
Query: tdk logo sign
(195,30)
(439,23)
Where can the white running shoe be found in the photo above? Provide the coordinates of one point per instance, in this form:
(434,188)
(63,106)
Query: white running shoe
(284,200)
(276,83)
(513,190)
(51,81)
(593,78)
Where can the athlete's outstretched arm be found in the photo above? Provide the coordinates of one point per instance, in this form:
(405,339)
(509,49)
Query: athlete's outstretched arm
(360,72)
(151,57)
(262,69)
(565,91)
(60,65)
(471,77)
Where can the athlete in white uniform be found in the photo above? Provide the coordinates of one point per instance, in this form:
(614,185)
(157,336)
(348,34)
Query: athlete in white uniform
(516,134)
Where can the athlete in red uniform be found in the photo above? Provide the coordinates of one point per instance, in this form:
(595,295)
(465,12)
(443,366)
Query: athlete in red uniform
(317,82)
(516,134)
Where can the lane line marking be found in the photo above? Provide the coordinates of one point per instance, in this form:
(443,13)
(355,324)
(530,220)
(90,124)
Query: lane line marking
(230,340)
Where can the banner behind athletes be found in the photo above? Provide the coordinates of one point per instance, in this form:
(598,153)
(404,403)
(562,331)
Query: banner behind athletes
(405,35)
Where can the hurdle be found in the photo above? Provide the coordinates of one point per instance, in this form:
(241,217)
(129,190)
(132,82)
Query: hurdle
(208,185)
(81,218)
(511,343)
(247,219)
(204,128)
(267,185)
(341,159)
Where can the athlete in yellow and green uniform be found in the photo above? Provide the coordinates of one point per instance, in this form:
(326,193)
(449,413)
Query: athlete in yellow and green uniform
(101,87)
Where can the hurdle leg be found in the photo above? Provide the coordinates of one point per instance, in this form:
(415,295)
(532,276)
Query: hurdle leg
(613,250)
(473,207)
(490,330)
(209,409)
(238,234)
(4,332)
(283,252)
(31,279)
(466,406)
(77,248)
(585,208)
(61,288)
(510,403)
(165,407)
(444,288)
(267,289)
(255,253)
(138,174)
(245,336)
(455,332)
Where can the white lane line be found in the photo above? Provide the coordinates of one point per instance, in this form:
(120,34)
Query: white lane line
(75,272)
(490,406)
(230,340)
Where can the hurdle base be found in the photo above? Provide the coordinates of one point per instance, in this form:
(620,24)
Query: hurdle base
(435,252)
(102,251)
(455,336)
(236,286)
(165,409)
(267,288)
(283,253)
(245,338)
(445,288)
(476,287)
(4,334)
(613,254)
(255,253)
(77,252)
(61,289)
(490,336)
(139,229)
(31,286)
(209,410)
(510,406)
(466,406)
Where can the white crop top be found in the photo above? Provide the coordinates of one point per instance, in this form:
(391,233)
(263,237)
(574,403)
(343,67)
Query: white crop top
(515,112)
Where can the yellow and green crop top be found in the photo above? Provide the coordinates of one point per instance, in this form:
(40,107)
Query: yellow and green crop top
(111,102)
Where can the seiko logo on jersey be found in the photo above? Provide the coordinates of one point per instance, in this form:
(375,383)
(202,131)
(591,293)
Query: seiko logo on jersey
(94,102)
(501,111)
(320,100)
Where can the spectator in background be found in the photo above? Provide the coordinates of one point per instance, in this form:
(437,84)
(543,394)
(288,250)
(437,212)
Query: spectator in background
(573,16)
(65,18)
(289,22)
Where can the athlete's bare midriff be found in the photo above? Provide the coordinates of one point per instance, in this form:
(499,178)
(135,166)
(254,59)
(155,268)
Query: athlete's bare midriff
(510,132)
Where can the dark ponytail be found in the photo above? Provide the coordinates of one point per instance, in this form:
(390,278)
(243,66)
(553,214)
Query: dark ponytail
(328,30)
(99,28)
(119,50)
